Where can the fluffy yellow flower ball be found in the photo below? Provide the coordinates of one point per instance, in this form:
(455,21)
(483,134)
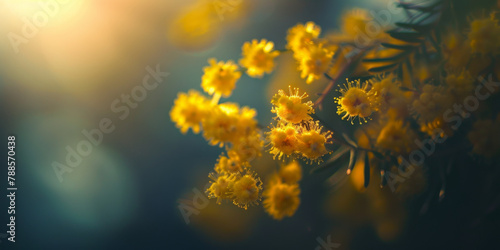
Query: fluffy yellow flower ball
(355,102)
(290,108)
(291,173)
(484,35)
(283,140)
(397,137)
(220,77)
(246,190)
(301,35)
(281,199)
(314,62)
(220,186)
(189,111)
(258,57)
(312,141)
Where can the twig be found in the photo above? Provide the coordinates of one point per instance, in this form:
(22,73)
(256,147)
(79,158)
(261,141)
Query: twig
(343,72)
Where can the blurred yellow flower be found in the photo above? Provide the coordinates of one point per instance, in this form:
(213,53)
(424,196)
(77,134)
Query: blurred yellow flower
(246,190)
(227,123)
(230,164)
(431,103)
(281,199)
(314,62)
(220,187)
(386,93)
(456,51)
(299,36)
(291,173)
(460,85)
(189,111)
(248,147)
(220,77)
(397,137)
(484,35)
(258,57)
(354,22)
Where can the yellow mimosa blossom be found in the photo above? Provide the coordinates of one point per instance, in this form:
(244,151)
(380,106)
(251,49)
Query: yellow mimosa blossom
(397,137)
(436,125)
(189,111)
(354,22)
(246,190)
(291,173)
(258,57)
(484,35)
(281,199)
(231,164)
(220,77)
(283,140)
(221,185)
(227,123)
(431,103)
(386,94)
(248,147)
(460,85)
(456,51)
(290,108)
(195,27)
(314,62)
(246,121)
(299,36)
(312,141)
(354,101)
(484,137)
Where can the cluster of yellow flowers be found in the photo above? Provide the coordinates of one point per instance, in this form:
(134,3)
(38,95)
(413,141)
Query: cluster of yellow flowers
(224,124)
(406,104)
(465,60)
(296,133)
(312,55)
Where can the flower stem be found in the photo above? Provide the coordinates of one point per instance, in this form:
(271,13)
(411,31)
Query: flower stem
(342,73)
(215,98)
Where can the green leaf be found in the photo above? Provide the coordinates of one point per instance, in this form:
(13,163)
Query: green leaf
(389,59)
(352,161)
(406,89)
(409,37)
(412,6)
(421,28)
(348,140)
(399,47)
(342,150)
(367,170)
(378,155)
(382,69)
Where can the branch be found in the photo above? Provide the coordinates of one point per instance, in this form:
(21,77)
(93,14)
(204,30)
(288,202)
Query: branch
(342,74)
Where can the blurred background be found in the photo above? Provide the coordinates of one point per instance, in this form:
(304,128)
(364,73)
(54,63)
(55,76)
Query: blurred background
(64,63)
